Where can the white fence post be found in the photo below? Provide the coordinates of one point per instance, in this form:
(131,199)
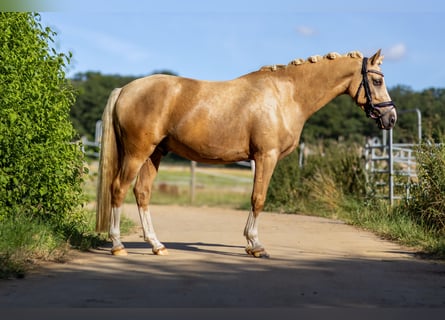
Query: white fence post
(390,169)
(192,181)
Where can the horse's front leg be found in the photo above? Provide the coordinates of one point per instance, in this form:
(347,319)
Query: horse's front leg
(264,166)
(254,246)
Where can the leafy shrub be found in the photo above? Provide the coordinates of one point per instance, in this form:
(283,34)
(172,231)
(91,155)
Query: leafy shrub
(427,205)
(40,169)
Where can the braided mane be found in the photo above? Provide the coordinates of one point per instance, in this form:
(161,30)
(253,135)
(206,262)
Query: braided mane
(312,59)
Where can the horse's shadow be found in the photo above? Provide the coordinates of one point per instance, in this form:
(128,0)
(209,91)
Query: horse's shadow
(211,248)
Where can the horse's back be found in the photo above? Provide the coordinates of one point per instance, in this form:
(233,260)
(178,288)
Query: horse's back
(202,120)
(198,118)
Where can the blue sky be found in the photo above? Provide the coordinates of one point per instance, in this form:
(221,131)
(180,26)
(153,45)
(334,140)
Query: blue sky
(221,40)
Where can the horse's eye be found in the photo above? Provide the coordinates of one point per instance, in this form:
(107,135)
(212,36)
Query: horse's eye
(377,82)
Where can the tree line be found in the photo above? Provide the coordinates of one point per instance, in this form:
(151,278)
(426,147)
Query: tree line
(340,120)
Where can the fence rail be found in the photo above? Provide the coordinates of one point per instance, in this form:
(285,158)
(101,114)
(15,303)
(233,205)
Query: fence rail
(396,160)
(391,167)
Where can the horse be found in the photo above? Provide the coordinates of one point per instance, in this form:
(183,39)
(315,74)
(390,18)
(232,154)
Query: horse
(258,116)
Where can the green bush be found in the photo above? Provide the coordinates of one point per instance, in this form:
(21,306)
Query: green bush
(427,205)
(40,169)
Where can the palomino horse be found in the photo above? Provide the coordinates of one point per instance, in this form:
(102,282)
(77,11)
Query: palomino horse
(258,116)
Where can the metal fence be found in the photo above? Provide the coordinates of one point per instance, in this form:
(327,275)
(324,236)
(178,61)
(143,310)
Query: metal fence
(391,168)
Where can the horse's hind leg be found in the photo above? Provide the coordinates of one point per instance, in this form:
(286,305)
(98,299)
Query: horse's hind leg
(142,191)
(264,166)
(119,188)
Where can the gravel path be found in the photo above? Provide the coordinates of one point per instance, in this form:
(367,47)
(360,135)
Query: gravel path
(314,262)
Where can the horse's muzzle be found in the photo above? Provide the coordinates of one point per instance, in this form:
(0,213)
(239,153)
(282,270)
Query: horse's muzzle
(387,119)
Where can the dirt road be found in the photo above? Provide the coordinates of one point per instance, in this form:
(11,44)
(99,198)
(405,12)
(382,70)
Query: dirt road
(314,262)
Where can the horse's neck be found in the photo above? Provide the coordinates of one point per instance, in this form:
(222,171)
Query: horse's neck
(316,84)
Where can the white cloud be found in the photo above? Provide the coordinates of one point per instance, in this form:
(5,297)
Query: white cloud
(395,52)
(306,31)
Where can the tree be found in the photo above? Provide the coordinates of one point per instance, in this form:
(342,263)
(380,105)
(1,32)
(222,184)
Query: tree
(40,167)
(94,89)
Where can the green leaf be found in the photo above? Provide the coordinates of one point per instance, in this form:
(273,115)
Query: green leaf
(12,117)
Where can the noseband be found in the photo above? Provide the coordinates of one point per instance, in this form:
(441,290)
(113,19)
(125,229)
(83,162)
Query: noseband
(372,110)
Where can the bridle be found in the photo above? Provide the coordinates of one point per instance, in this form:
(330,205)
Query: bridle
(372,110)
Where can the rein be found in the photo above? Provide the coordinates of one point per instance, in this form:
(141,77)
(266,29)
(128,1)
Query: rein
(372,110)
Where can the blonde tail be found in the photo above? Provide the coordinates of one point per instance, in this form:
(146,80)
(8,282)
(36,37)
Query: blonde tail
(107,165)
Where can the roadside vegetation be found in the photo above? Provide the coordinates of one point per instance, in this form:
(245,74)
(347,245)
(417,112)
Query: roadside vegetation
(336,185)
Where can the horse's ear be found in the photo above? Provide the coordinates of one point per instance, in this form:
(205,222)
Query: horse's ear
(377,58)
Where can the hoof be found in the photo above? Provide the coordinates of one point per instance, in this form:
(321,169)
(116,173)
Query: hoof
(120,251)
(161,251)
(257,253)
(261,254)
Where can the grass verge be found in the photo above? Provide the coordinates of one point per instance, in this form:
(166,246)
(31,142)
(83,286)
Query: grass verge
(389,223)
(25,241)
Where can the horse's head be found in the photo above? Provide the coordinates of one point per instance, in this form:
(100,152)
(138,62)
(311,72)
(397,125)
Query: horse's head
(374,98)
